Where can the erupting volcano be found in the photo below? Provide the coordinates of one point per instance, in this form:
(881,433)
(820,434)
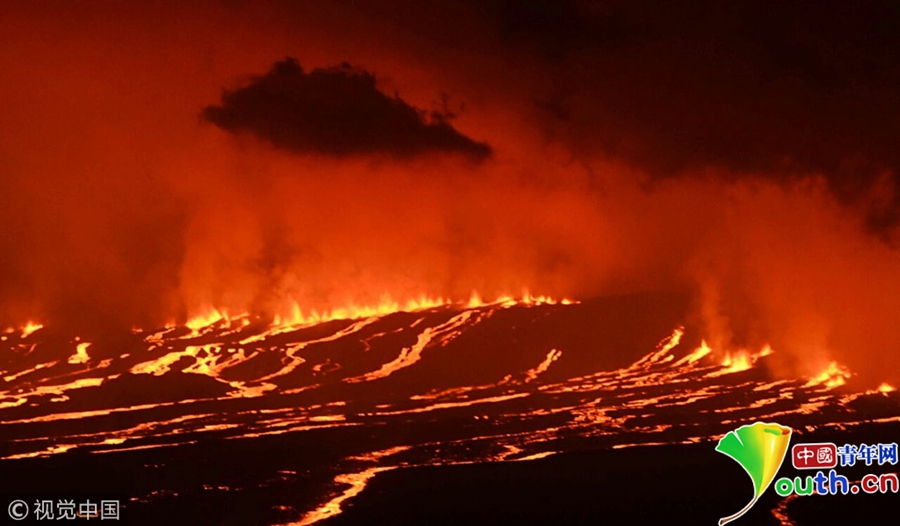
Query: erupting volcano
(447,262)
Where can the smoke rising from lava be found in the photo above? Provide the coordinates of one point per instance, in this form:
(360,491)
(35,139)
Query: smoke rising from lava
(118,207)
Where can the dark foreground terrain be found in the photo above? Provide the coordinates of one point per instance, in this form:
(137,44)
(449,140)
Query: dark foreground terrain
(266,480)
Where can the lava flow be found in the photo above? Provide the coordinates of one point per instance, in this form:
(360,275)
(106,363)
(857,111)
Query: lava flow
(524,379)
(268,263)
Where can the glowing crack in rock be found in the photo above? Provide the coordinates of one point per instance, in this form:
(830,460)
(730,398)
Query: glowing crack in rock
(532,374)
(37,367)
(357,483)
(410,355)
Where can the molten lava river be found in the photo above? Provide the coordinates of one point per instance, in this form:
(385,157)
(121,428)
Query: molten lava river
(293,421)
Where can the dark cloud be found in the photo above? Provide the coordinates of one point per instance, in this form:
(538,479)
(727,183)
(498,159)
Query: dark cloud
(338,112)
(774,89)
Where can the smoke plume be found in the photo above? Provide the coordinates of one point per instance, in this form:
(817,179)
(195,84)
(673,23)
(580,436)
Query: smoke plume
(744,155)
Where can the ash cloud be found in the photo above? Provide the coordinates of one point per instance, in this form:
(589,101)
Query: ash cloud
(336,111)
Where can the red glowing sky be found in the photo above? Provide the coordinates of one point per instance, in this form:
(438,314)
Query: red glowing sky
(744,155)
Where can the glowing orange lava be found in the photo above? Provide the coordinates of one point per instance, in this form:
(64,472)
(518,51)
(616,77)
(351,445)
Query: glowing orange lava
(737,362)
(696,355)
(835,375)
(205,320)
(81,355)
(294,316)
(30,328)
(356,482)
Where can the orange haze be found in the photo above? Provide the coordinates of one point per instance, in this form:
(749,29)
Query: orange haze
(120,207)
